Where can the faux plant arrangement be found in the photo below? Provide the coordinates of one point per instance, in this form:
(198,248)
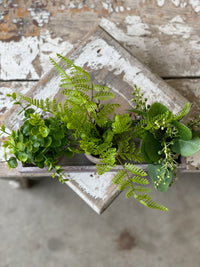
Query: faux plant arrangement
(39,141)
(164,139)
(87,123)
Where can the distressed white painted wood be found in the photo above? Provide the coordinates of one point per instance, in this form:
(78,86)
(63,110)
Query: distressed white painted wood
(110,64)
(162,34)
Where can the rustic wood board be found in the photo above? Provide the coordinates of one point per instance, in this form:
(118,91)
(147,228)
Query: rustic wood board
(110,64)
(162,34)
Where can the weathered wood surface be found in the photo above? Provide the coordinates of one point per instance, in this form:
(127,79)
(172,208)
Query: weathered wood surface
(162,34)
(110,64)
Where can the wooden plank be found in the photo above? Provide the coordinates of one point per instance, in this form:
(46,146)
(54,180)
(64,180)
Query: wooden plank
(110,64)
(9,88)
(190,89)
(162,34)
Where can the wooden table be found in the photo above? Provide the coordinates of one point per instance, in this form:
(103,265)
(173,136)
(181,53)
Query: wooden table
(162,35)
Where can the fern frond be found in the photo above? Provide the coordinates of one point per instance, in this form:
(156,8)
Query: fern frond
(100,88)
(135,170)
(103,96)
(184,111)
(58,68)
(70,65)
(124,184)
(139,131)
(109,108)
(142,189)
(91,106)
(102,168)
(54,105)
(136,156)
(119,177)
(39,103)
(148,202)
(139,180)
(130,192)
(102,114)
(47,104)
(159,120)
(121,123)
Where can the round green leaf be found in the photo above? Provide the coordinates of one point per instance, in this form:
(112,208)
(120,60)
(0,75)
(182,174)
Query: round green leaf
(150,147)
(39,158)
(40,165)
(160,177)
(34,130)
(12,162)
(22,156)
(186,148)
(20,146)
(157,109)
(28,112)
(44,131)
(68,153)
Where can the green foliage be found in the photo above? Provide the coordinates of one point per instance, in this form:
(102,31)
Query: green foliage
(150,148)
(38,141)
(186,147)
(128,177)
(87,123)
(163,137)
(184,132)
(158,109)
(183,112)
(161,176)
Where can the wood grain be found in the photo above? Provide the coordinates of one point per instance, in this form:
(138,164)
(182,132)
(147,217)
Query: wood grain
(162,34)
(110,64)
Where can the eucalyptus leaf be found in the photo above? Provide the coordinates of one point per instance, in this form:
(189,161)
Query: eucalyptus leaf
(157,109)
(12,162)
(150,148)
(186,147)
(160,176)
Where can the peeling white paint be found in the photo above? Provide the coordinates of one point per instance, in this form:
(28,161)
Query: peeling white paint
(49,91)
(17,58)
(160,3)
(49,47)
(176,27)
(121,36)
(41,16)
(195,4)
(135,26)
(107,6)
(96,185)
(133,71)
(121,9)
(5,102)
(183,5)
(75,4)
(176,2)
